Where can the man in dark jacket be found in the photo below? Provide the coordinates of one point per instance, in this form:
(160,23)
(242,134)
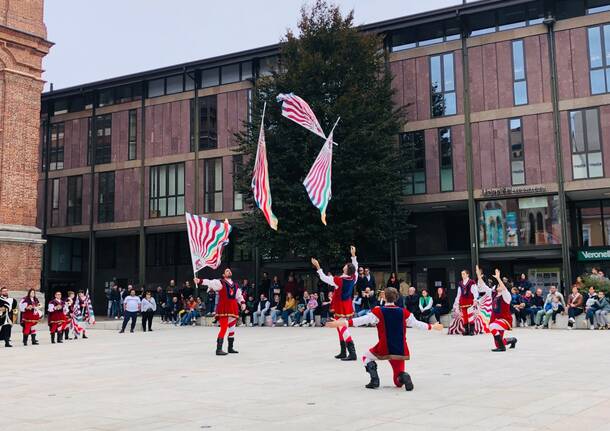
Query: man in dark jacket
(264,286)
(412,302)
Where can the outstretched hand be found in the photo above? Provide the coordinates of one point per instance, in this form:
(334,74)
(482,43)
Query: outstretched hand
(497,275)
(438,327)
(335,323)
(352,250)
(478,271)
(315,263)
(196,280)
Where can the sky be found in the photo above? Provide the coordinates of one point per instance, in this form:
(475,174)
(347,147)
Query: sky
(102,39)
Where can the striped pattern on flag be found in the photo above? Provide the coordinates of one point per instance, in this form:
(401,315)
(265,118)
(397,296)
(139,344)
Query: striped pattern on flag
(207,238)
(296,109)
(318,181)
(260,179)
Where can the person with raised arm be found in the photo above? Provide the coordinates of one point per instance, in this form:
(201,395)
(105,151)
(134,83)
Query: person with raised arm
(341,305)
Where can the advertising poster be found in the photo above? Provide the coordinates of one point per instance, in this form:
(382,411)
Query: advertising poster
(512,232)
(494,228)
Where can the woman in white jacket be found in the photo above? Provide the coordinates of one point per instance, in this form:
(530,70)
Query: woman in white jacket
(149,306)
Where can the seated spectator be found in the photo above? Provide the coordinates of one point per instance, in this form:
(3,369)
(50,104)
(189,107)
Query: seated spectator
(312,305)
(357,301)
(440,305)
(190,311)
(174,310)
(528,310)
(276,287)
(412,302)
(601,314)
(381,298)
(324,309)
(425,306)
(210,302)
(553,304)
(290,307)
(251,306)
(523,284)
(591,306)
(276,308)
(576,304)
(262,311)
(368,302)
(537,305)
(517,307)
(301,307)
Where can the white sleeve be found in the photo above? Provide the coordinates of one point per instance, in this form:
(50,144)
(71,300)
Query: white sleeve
(506,296)
(215,285)
(412,322)
(51,307)
(484,288)
(429,306)
(239,296)
(367,319)
(355,263)
(326,278)
(474,291)
(457,297)
(420,307)
(154,304)
(22,305)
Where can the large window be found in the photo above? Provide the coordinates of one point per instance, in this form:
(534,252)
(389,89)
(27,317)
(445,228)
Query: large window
(585,142)
(531,221)
(167,249)
(213,185)
(413,162)
(593,223)
(66,254)
(103,139)
(519,77)
(442,84)
(56,153)
(132,137)
(517,158)
(105,197)
(208,125)
(446,159)
(75,200)
(54,201)
(599,58)
(238,197)
(167,190)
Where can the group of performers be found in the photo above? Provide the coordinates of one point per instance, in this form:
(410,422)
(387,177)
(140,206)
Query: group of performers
(64,316)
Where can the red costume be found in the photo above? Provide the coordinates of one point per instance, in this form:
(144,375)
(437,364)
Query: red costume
(30,314)
(57,317)
(466,295)
(501,318)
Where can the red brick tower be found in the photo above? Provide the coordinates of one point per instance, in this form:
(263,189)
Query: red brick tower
(23,44)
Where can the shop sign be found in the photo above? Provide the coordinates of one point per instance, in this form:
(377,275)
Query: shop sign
(585,255)
(509,191)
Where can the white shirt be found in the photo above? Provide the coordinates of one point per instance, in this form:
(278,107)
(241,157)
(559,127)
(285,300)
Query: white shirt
(148,304)
(132,303)
(329,279)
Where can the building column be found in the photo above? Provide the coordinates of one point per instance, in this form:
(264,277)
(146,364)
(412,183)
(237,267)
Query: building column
(143,203)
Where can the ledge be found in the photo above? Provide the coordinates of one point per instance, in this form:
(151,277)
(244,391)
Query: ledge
(20,234)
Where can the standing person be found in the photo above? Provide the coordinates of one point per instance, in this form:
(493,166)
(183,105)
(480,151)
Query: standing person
(361,281)
(161,300)
(227,312)
(575,304)
(341,305)
(440,305)
(393,281)
(56,317)
(391,322)
(148,307)
(291,286)
(132,305)
(83,314)
(69,313)
(8,315)
(115,297)
(31,313)
(370,279)
(467,292)
(523,284)
(264,286)
(501,317)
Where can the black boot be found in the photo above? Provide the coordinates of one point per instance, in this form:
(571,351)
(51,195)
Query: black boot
(351,351)
(25,339)
(7,343)
(343,353)
(500,347)
(59,337)
(471,329)
(85,335)
(512,341)
(466,329)
(231,349)
(371,368)
(67,334)
(52,337)
(34,341)
(405,379)
(219,351)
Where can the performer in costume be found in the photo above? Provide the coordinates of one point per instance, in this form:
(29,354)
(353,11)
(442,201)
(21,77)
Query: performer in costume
(69,315)
(341,305)
(227,311)
(501,317)
(464,301)
(57,317)
(31,313)
(82,315)
(391,322)
(8,315)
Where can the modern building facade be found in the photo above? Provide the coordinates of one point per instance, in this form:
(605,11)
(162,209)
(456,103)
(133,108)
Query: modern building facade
(506,151)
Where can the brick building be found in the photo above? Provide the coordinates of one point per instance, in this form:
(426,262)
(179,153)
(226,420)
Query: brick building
(495,89)
(23,44)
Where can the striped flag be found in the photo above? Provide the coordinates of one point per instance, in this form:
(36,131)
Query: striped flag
(207,238)
(260,178)
(318,180)
(296,109)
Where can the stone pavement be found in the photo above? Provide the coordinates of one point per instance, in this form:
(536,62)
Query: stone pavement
(286,379)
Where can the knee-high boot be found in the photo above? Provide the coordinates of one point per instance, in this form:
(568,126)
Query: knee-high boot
(25,339)
(371,368)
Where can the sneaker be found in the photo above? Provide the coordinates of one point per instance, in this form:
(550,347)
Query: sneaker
(273,325)
(525,325)
(285,325)
(592,327)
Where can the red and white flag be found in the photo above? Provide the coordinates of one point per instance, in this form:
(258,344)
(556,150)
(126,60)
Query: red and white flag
(296,109)
(207,238)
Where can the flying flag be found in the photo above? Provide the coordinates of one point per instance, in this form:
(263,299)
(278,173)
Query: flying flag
(318,182)
(207,238)
(260,178)
(296,109)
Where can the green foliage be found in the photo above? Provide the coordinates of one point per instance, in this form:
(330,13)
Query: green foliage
(597,283)
(342,72)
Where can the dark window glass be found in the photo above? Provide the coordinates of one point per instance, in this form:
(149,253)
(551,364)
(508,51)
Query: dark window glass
(413,162)
(167,190)
(105,198)
(156,87)
(208,126)
(238,197)
(229,73)
(106,97)
(60,106)
(446,159)
(213,185)
(66,254)
(106,253)
(54,202)
(517,159)
(77,103)
(174,84)
(585,142)
(246,70)
(75,200)
(56,152)
(167,249)
(44,140)
(103,139)
(132,138)
(124,94)
(596,6)
(442,84)
(210,77)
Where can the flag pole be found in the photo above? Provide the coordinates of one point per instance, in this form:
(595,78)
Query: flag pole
(333,129)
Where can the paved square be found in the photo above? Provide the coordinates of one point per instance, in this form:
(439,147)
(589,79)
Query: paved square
(286,379)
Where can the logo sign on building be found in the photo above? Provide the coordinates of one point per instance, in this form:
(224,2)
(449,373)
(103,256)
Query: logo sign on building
(509,191)
(586,255)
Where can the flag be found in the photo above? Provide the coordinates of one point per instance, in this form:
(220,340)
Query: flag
(207,238)
(296,109)
(318,180)
(260,178)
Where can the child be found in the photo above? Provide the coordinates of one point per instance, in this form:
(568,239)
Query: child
(391,324)
(301,307)
(312,304)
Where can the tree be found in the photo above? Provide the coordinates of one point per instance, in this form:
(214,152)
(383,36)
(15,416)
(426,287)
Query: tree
(339,71)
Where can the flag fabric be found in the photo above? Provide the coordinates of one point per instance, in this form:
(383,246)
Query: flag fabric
(296,109)
(207,238)
(260,179)
(318,181)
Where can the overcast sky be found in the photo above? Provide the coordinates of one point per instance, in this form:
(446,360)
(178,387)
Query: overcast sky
(106,38)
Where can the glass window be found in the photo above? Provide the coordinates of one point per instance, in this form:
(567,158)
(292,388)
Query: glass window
(519,76)
(213,185)
(267,65)
(106,97)
(56,151)
(442,83)
(55,193)
(229,73)
(209,77)
(105,197)
(511,17)
(75,200)
(446,159)
(238,197)
(60,106)
(597,6)
(532,221)
(189,82)
(599,58)
(103,139)
(246,70)
(585,142)
(413,162)
(167,190)
(517,159)
(66,254)
(208,123)
(156,87)
(174,84)
(132,138)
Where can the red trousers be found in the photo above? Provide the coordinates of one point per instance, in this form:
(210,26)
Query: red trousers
(28,327)
(398,366)
(227,323)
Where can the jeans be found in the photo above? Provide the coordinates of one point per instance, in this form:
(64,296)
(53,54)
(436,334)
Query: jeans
(286,315)
(425,316)
(308,316)
(591,315)
(363,312)
(133,315)
(274,315)
(187,317)
(115,309)
(147,318)
(533,311)
(550,314)
(573,312)
(438,312)
(601,318)
(258,318)
(109,313)
(297,316)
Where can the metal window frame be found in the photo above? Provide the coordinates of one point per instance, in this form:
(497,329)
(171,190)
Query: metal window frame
(105,210)
(410,173)
(524,79)
(586,141)
(132,141)
(57,149)
(75,183)
(207,193)
(442,91)
(153,202)
(604,67)
(237,167)
(515,159)
(440,158)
